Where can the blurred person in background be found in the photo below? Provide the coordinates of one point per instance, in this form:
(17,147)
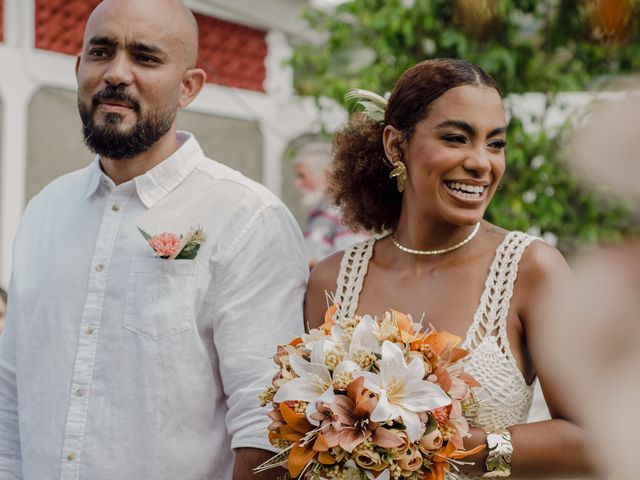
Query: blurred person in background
(3,308)
(594,331)
(324,232)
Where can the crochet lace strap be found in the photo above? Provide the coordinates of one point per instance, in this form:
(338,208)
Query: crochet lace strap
(353,269)
(491,317)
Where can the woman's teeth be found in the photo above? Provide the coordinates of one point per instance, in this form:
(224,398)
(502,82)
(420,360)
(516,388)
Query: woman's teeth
(464,190)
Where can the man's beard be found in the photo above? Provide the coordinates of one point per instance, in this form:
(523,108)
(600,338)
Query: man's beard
(109,140)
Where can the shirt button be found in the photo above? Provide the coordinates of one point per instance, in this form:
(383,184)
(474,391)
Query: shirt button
(71,457)
(79,392)
(115,207)
(89,331)
(99,267)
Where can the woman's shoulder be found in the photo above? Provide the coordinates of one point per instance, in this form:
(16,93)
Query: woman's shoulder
(538,258)
(325,273)
(542,271)
(321,287)
(542,261)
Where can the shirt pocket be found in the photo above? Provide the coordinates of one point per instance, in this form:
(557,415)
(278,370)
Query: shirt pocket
(160,296)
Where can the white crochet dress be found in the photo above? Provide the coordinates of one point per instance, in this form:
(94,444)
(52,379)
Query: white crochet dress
(505,397)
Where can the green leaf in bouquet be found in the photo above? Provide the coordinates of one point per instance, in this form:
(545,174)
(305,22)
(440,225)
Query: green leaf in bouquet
(189,252)
(431,425)
(398,425)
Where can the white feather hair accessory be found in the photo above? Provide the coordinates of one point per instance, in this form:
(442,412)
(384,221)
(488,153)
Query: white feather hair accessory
(373,104)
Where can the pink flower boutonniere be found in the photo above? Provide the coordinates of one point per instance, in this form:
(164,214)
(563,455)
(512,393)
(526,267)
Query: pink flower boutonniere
(173,246)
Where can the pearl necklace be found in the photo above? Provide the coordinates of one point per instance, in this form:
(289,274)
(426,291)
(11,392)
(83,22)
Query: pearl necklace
(436,252)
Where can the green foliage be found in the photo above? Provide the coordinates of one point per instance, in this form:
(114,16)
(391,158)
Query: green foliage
(527,46)
(538,191)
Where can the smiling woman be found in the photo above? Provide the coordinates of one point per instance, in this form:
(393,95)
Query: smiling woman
(420,170)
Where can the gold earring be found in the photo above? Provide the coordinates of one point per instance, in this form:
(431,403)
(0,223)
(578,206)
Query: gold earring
(399,172)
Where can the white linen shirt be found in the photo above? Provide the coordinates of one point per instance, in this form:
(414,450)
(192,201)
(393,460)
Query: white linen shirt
(116,364)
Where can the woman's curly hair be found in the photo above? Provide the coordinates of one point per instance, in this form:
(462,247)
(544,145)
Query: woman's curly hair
(359,180)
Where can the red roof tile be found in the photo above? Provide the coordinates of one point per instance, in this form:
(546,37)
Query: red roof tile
(60,24)
(1,21)
(232,55)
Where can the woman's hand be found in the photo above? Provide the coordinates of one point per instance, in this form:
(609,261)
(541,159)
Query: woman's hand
(475,464)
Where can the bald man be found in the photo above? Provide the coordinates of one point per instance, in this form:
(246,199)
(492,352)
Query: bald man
(150,289)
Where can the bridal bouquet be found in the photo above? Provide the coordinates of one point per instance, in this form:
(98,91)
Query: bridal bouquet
(367,398)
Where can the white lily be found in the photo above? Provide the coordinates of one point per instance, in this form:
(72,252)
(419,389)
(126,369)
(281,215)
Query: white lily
(314,336)
(364,337)
(334,339)
(312,385)
(402,390)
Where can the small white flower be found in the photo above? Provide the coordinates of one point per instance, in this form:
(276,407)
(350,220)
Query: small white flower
(551,238)
(314,336)
(529,196)
(429,46)
(534,231)
(537,162)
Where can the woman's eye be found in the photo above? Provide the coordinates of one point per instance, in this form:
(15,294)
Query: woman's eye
(454,138)
(498,144)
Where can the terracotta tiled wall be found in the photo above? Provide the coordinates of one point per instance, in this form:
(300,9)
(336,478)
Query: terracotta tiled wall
(232,54)
(60,24)
(1,21)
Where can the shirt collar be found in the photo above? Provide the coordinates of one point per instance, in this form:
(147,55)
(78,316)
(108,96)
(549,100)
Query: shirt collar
(95,174)
(162,179)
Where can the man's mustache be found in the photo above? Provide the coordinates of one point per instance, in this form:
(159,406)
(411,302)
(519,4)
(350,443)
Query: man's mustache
(115,94)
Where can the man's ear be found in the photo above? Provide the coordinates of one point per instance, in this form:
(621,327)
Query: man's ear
(78,60)
(192,83)
(392,140)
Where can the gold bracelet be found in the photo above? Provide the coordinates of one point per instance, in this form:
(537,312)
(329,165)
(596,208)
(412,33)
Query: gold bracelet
(500,449)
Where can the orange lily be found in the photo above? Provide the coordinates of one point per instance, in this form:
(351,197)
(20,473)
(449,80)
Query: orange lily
(440,342)
(328,318)
(294,430)
(458,354)
(301,455)
(402,321)
(440,466)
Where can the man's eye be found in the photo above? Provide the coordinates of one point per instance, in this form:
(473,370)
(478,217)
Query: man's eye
(146,58)
(98,52)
